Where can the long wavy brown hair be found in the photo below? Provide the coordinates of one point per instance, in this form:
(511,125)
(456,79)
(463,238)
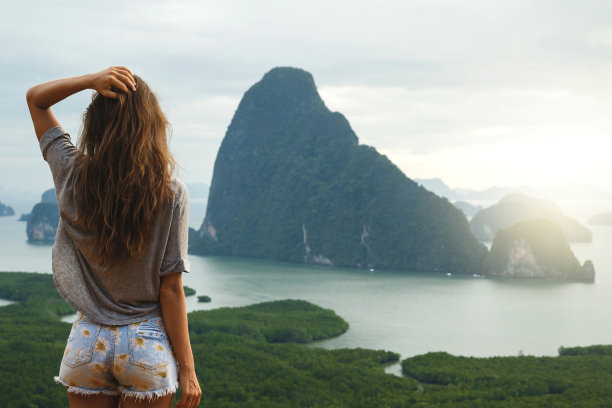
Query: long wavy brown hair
(124,176)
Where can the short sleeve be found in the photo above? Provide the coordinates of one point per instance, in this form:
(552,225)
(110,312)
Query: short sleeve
(175,257)
(60,154)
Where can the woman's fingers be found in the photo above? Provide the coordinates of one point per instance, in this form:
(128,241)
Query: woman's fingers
(188,402)
(107,93)
(127,78)
(117,83)
(190,399)
(191,391)
(122,80)
(194,401)
(119,78)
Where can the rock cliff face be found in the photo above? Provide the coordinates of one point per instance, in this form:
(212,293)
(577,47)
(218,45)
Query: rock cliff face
(292,183)
(535,249)
(517,208)
(43,220)
(6,211)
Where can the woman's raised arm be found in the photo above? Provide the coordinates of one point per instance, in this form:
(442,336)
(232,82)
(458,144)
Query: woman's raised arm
(41,97)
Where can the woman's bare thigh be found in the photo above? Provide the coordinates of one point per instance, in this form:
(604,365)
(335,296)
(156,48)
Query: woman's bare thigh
(93,401)
(161,402)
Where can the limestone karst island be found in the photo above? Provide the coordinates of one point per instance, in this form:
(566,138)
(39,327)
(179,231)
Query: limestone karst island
(292,183)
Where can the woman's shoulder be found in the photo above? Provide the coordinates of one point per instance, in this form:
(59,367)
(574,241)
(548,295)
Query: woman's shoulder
(180,189)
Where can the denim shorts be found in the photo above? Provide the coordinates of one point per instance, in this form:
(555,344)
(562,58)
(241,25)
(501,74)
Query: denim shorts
(134,360)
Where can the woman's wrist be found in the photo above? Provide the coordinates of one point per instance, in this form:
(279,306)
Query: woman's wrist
(186,368)
(86,81)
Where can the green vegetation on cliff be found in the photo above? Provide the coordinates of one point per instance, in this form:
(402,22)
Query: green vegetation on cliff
(292,183)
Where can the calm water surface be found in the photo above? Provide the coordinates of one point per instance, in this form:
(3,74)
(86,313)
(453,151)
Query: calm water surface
(409,313)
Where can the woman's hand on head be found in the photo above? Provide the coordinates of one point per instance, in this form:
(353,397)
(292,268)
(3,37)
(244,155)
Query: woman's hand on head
(109,83)
(119,78)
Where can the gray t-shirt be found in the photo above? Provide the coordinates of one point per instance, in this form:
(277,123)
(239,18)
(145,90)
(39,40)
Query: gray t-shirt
(129,291)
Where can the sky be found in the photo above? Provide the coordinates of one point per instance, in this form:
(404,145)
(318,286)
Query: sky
(478,93)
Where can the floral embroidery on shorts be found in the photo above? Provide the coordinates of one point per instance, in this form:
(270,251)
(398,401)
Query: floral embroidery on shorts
(134,359)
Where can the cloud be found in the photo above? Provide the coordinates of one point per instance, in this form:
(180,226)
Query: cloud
(432,119)
(422,80)
(541,162)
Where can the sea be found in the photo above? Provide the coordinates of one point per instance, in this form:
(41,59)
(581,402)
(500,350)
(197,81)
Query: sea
(410,313)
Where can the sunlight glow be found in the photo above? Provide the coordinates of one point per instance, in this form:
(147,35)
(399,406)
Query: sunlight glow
(475,139)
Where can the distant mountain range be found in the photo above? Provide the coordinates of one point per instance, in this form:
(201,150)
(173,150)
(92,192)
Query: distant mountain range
(569,192)
(20,200)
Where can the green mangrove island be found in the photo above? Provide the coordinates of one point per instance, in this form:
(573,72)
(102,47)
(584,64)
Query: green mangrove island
(254,356)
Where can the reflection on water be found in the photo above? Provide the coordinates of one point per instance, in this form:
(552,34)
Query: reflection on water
(416,313)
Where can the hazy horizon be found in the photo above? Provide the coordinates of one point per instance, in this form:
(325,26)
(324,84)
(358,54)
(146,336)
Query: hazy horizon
(475,93)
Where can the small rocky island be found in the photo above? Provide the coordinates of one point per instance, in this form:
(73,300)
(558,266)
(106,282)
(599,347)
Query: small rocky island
(6,211)
(43,220)
(515,208)
(536,249)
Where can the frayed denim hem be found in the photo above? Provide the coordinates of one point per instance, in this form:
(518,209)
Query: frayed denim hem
(148,395)
(85,391)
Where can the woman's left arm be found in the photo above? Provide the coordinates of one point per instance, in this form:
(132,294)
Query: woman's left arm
(41,97)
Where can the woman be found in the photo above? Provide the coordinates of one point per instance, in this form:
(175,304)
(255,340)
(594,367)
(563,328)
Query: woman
(121,245)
